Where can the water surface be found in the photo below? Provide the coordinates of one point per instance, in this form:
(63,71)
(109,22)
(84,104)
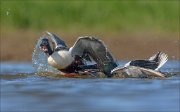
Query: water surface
(22,89)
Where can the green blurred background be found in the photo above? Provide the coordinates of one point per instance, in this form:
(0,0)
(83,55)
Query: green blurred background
(135,20)
(91,15)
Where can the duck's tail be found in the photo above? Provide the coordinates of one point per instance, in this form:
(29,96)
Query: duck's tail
(161,58)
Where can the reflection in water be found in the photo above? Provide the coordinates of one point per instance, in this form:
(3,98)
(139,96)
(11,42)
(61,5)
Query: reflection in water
(23,90)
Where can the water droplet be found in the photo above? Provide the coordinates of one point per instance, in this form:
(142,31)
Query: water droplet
(39,60)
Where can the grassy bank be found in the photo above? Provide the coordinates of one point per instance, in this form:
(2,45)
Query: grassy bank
(79,15)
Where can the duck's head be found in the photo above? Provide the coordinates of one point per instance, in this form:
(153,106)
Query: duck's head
(52,43)
(45,47)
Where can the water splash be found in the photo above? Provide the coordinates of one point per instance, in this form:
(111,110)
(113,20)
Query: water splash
(39,60)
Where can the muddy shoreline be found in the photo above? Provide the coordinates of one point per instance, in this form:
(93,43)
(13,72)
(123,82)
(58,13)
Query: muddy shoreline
(18,46)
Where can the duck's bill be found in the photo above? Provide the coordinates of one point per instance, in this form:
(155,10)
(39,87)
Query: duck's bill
(43,48)
(44,44)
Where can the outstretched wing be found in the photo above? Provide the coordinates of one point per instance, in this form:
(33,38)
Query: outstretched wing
(96,49)
(144,63)
(92,46)
(155,62)
(161,58)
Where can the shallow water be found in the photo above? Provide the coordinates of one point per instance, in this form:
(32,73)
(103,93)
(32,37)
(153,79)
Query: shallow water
(23,90)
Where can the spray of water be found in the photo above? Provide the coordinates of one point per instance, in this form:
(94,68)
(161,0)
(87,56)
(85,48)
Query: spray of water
(39,60)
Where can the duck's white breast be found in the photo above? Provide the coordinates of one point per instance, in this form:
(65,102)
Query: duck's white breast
(60,59)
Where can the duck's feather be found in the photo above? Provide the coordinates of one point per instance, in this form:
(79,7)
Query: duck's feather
(160,58)
(144,63)
(154,62)
(136,72)
(92,46)
(96,50)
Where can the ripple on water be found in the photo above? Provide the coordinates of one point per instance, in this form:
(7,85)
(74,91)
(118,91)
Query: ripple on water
(22,90)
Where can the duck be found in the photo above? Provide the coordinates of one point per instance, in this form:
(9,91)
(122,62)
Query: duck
(73,59)
(90,48)
(148,68)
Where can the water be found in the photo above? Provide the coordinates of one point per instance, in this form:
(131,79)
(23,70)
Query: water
(22,89)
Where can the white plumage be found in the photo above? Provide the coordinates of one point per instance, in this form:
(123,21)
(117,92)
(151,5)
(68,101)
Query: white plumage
(60,59)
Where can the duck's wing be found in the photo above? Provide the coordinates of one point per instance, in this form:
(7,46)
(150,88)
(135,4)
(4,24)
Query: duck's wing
(135,72)
(160,58)
(97,50)
(155,62)
(93,47)
(143,63)
(57,42)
